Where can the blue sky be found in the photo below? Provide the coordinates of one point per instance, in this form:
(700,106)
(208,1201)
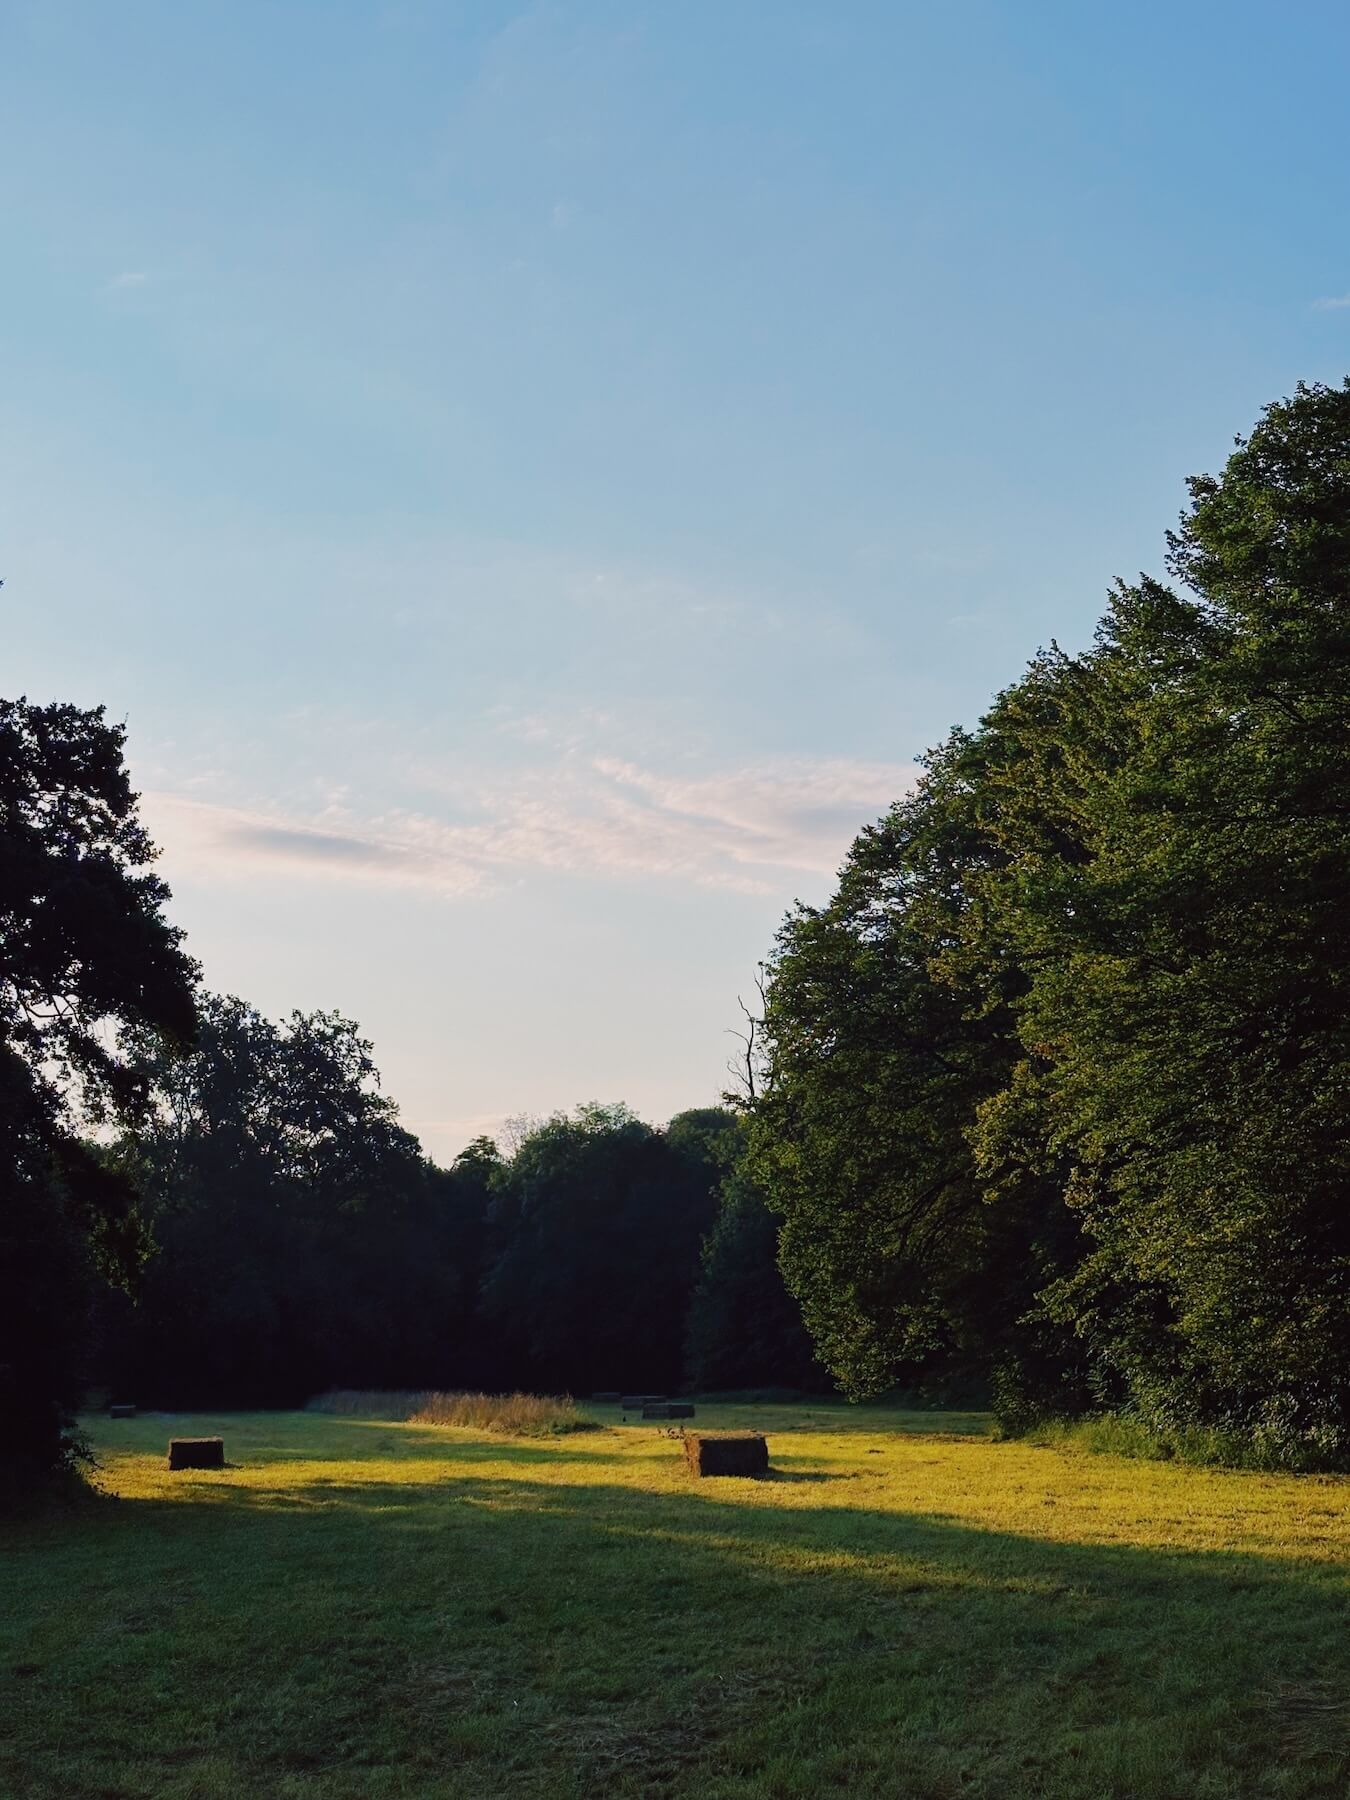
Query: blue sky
(532,479)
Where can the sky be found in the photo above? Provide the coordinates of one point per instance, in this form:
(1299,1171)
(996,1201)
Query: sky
(532,479)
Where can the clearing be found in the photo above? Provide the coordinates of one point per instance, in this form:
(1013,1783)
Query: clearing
(904,1608)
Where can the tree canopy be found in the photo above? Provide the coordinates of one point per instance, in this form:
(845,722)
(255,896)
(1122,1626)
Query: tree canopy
(598,1221)
(301,1240)
(1060,1079)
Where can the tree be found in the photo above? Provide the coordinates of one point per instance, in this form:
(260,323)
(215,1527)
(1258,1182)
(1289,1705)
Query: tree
(86,956)
(597,1223)
(744,1329)
(302,1241)
(1060,1079)
(889,1021)
(1193,976)
(463,1206)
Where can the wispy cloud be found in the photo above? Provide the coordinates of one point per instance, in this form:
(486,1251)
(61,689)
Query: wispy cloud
(130,278)
(1332,303)
(744,829)
(202,837)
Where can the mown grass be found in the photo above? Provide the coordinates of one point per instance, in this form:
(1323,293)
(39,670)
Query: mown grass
(357,1610)
(513,1415)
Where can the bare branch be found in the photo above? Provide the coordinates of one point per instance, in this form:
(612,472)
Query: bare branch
(747,1067)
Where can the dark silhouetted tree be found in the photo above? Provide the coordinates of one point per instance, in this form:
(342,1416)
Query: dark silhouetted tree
(85,955)
(302,1240)
(744,1329)
(598,1221)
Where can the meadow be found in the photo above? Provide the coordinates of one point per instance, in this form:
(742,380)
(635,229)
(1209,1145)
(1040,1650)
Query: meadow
(357,1609)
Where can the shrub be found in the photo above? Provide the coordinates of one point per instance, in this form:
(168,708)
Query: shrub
(513,1415)
(1122,1434)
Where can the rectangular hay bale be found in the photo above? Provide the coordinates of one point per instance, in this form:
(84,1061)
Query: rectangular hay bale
(668,1409)
(121,1412)
(636,1402)
(607,1399)
(196,1453)
(727,1453)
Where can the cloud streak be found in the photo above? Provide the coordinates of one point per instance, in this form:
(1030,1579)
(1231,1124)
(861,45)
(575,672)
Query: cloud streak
(744,830)
(1332,303)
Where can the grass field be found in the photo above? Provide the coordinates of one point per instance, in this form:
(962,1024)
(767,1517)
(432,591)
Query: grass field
(905,1608)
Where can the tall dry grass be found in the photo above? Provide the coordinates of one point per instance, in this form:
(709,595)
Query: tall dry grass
(512,1415)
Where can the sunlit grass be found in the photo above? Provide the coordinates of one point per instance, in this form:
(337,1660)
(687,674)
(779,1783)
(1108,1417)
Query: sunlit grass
(360,1608)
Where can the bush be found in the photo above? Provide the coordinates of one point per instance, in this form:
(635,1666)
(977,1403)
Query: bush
(1120,1434)
(512,1415)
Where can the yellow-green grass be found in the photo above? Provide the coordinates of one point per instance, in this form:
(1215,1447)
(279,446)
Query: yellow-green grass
(364,1609)
(513,1415)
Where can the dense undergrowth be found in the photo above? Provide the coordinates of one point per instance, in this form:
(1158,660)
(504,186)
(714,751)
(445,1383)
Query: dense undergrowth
(1259,1449)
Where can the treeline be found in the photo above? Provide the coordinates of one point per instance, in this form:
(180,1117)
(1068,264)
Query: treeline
(1058,1084)
(1052,1098)
(302,1241)
(202,1207)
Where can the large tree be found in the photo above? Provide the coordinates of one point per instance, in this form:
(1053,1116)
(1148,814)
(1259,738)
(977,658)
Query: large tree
(302,1241)
(1192,977)
(86,956)
(890,1020)
(1060,1079)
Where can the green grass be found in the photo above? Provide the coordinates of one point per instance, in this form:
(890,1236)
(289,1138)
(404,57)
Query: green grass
(907,1608)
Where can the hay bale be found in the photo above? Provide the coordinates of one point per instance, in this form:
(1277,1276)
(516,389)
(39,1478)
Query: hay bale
(607,1399)
(727,1453)
(121,1412)
(636,1402)
(668,1409)
(196,1453)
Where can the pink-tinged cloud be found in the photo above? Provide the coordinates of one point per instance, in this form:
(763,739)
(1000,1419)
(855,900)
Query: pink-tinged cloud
(735,830)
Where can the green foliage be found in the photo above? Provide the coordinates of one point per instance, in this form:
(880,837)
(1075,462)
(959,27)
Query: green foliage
(1061,1078)
(86,958)
(598,1221)
(1207,1446)
(744,1330)
(301,1241)
(889,1021)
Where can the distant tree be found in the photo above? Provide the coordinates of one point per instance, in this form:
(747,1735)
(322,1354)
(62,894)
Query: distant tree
(708,1138)
(85,955)
(744,1329)
(597,1222)
(463,1205)
(302,1241)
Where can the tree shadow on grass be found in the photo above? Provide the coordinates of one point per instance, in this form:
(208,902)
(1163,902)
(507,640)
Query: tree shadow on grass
(498,1634)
